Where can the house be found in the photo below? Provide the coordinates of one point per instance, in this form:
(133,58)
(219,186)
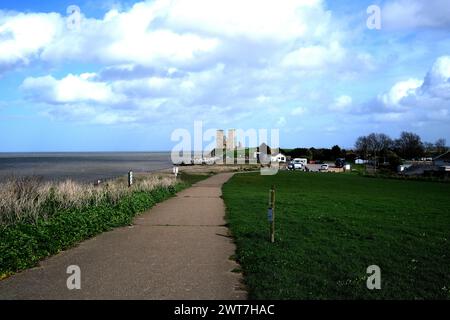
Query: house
(361,161)
(443,160)
(278,158)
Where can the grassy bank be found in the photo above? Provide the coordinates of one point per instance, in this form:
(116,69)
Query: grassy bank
(331,227)
(67,213)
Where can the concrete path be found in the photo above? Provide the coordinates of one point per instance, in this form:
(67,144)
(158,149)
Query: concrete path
(180,249)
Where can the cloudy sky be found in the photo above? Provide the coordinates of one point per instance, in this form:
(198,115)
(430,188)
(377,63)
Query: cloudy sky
(123,75)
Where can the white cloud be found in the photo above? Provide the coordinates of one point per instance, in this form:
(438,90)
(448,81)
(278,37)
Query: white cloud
(22,36)
(72,88)
(341,103)
(409,14)
(129,37)
(298,111)
(399,91)
(389,117)
(281,122)
(120,37)
(315,57)
(418,100)
(433,92)
(112,118)
(437,81)
(253,19)
(180,32)
(88,97)
(262,99)
(198,58)
(177,33)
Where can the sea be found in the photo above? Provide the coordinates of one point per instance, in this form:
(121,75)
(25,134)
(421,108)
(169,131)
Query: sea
(80,166)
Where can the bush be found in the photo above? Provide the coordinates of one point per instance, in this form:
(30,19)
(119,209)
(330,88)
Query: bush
(394,161)
(29,199)
(24,244)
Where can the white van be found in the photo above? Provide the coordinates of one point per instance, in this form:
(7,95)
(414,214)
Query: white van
(298,164)
(303,161)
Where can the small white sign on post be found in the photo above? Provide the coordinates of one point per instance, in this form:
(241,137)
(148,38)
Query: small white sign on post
(270,215)
(130,178)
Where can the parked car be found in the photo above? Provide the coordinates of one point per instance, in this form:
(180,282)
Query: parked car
(340,162)
(324,167)
(297,164)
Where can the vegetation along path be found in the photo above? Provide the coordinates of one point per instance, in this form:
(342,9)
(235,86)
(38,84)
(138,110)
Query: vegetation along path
(180,249)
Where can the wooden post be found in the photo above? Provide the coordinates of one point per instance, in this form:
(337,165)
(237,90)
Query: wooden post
(272,214)
(130,178)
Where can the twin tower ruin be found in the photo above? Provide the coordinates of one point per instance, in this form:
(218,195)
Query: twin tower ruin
(227,143)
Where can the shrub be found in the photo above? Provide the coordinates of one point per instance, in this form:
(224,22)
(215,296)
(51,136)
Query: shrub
(29,199)
(23,244)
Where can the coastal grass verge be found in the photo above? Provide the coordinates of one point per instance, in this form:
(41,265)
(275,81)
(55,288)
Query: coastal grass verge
(331,227)
(41,219)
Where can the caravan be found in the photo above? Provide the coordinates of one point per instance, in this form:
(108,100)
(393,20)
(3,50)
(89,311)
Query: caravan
(298,164)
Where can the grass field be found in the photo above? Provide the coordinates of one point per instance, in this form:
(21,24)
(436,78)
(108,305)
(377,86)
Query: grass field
(331,227)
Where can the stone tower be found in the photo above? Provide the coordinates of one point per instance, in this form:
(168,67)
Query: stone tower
(231,141)
(220,139)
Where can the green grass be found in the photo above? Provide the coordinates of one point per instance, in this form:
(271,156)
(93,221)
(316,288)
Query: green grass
(331,227)
(191,179)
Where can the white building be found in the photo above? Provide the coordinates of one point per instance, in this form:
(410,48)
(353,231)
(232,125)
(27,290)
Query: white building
(361,161)
(278,158)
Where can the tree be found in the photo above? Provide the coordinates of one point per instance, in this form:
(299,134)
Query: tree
(336,152)
(362,146)
(374,145)
(409,146)
(301,153)
(394,160)
(321,154)
(385,143)
(441,146)
(429,149)
(350,156)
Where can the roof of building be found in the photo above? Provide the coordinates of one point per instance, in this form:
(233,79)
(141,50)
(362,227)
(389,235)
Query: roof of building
(444,156)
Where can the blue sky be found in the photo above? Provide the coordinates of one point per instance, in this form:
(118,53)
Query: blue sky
(131,72)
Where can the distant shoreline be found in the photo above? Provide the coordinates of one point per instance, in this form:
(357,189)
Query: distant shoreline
(81,167)
(35,153)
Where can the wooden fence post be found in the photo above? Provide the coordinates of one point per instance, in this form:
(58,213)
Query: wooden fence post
(130,178)
(271,214)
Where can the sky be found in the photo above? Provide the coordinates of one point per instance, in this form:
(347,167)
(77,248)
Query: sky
(124,75)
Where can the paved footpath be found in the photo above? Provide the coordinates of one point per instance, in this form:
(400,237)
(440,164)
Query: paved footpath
(179,249)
